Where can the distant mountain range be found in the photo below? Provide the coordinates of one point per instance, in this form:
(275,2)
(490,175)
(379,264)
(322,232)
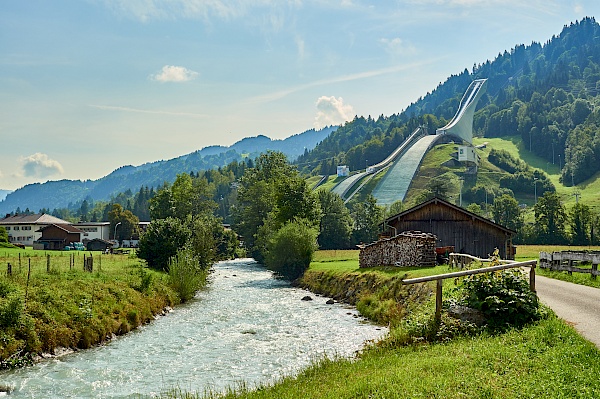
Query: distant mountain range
(4,193)
(59,194)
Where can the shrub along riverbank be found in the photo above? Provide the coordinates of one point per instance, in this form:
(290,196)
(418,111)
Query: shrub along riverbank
(419,359)
(56,304)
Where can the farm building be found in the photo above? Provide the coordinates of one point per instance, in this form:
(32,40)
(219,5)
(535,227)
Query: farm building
(454,226)
(58,236)
(98,244)
(25,229)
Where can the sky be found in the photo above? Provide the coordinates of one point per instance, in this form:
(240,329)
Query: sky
(87,86)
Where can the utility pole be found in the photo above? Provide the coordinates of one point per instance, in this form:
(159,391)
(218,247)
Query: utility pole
(577,194)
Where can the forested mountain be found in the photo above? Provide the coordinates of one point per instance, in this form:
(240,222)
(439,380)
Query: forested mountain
(544,93)
(59,194)
(3,194)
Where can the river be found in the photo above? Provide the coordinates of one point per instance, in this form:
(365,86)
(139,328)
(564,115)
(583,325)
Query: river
(245,327)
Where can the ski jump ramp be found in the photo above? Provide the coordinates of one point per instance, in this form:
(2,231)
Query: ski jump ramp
(344,186)
(396,182)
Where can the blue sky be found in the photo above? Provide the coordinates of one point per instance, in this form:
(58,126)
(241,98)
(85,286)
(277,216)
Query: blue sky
(89,86)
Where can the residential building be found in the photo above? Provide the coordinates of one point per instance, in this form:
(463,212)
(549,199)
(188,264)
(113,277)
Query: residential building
(24,229)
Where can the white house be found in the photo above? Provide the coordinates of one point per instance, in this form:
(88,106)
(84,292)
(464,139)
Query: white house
(93,230)
(24,229)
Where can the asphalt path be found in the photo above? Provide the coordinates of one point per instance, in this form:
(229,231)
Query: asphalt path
(577,304)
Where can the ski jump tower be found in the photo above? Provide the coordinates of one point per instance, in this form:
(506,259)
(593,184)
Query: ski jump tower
(461,124)
(396,182)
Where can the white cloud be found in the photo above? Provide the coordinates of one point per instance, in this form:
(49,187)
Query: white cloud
(39,165)
(332,111)
(171,73)
(146,111)
(397,46)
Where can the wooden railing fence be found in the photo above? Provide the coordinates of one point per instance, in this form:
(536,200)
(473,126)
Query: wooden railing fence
(457,257)
(565,261)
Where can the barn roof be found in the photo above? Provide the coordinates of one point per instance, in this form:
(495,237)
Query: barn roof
(65,227)
(441,202)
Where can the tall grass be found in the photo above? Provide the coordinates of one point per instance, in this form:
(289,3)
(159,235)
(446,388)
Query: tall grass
(64,306)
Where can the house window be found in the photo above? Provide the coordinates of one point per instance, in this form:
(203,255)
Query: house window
(7,228)
(16,228)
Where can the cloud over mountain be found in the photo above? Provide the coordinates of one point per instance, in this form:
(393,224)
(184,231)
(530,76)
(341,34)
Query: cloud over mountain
(40,165)
(332,111)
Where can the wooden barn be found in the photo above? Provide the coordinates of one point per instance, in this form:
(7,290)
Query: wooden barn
(454,226)
(58,236)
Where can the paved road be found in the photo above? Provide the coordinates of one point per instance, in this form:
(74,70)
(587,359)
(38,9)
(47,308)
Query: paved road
(576,304)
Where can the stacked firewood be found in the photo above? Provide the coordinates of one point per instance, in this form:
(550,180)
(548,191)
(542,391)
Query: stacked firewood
(410,248)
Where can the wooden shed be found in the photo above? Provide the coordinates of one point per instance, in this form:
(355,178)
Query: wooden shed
(58,236)
(454,226)
(98,244)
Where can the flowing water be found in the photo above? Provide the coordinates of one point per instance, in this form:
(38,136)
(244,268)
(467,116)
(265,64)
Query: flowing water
(245,327)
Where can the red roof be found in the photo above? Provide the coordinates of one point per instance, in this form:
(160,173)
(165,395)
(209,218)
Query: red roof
(65,227)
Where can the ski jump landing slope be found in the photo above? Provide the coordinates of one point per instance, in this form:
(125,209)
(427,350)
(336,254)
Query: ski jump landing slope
(344,186)
(395,183)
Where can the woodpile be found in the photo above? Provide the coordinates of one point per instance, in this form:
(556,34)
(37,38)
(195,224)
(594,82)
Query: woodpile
(409,248)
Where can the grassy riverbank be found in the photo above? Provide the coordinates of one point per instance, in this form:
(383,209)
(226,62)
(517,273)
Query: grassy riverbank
(545,359)
(49,301)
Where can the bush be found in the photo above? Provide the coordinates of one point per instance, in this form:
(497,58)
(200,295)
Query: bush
(3,235)
(290,249)
(161,241)
(186,274)
(504,297)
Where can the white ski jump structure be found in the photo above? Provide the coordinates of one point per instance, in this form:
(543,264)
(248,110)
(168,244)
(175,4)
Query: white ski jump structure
(405,160)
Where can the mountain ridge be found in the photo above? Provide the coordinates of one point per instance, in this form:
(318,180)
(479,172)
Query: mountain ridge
(60,193)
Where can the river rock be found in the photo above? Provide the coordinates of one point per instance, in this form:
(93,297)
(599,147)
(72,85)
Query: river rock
(330,302)
(467,314)
(307,298)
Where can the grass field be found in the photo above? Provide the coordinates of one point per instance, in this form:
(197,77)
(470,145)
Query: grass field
(346,261)
(589,189)
(49,301)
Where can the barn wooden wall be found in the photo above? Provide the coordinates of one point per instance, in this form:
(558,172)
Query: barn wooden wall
(453,228)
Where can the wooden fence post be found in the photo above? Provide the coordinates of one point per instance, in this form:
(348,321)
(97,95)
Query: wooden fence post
(438,301)
(594,270)
(532,278)
(27,286)
(9,270)
(48,263)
